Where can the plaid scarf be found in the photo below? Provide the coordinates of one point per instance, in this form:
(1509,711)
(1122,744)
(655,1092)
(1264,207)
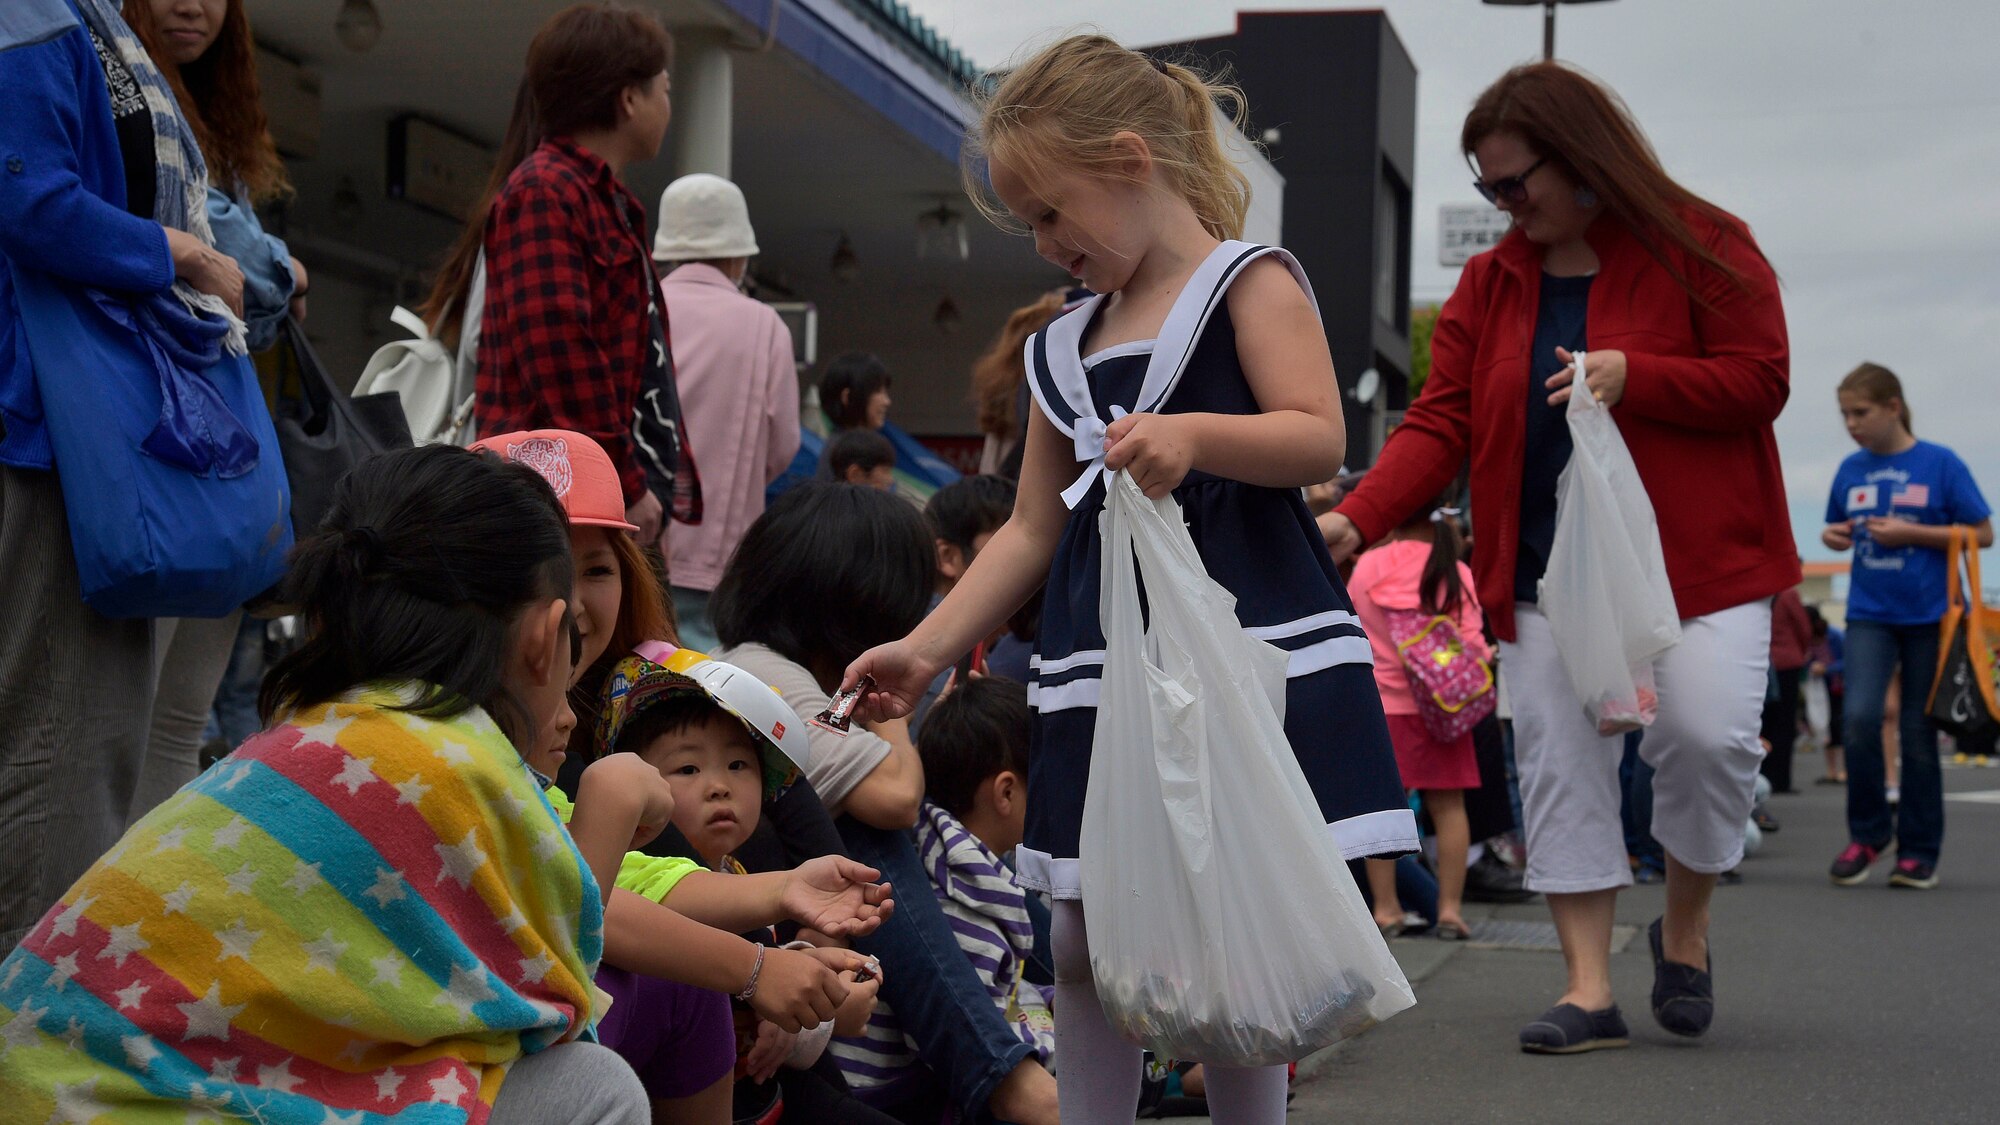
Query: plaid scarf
(180,175)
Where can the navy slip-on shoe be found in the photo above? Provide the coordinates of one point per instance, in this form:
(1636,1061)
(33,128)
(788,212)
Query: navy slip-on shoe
(1569,1030)
(1683,996)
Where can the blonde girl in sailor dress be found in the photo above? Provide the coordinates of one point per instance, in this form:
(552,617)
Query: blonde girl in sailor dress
(1201,370)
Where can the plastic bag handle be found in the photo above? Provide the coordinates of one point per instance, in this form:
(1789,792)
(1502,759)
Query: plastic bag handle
(1120,572)
(1581,400)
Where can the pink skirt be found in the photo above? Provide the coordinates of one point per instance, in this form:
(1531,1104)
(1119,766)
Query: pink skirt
(1426,763)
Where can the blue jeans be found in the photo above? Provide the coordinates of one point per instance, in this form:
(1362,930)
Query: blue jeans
(937,996)
(1873,653)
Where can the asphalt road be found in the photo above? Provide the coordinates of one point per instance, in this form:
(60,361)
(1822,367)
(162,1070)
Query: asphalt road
(1834,1004)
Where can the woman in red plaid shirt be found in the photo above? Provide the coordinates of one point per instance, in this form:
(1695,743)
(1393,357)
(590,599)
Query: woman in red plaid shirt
(572,335)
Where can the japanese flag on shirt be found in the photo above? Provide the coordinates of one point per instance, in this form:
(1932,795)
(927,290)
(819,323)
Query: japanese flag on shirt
(1863,498)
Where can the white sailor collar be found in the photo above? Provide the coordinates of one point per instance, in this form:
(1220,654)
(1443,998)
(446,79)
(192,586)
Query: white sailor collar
(1061,387)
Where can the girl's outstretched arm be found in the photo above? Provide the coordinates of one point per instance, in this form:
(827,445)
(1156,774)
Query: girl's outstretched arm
(1300,438)
(1001,579)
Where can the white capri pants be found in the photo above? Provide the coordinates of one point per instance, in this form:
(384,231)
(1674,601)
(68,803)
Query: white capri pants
(1704,745)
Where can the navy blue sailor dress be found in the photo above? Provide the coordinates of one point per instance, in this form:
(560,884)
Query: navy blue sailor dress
(1260,543)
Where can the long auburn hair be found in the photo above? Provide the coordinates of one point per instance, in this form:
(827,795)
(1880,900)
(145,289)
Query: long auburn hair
(220,96)
(1578,123)
(997,374)
(578,64)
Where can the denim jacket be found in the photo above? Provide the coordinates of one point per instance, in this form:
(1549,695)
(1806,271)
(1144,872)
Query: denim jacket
(268,281)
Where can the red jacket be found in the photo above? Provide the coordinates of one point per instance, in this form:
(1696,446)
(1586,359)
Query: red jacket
(1703,386)
(1791,632)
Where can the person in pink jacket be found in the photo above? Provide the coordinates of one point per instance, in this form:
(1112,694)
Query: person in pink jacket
(738,385)
(1417,570)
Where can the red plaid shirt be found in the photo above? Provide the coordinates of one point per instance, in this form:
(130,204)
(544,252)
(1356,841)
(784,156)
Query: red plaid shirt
(563,338)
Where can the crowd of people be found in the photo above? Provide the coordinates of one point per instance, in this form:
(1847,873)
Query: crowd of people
(550,812)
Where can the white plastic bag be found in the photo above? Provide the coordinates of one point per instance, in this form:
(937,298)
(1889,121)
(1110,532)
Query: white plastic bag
(1605,592)
(1224,926)
(1819,710)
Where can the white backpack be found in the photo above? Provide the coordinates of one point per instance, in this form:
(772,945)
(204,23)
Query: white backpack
(435,386)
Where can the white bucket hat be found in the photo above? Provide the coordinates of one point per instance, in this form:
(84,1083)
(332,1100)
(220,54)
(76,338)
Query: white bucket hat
(703,216)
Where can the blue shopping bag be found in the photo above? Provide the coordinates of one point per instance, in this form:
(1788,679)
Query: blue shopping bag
(171,477)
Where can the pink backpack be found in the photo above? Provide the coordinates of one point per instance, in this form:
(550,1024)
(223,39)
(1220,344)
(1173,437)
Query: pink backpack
(1453,688)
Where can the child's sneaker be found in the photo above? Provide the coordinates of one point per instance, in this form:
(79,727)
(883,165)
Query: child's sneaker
(1914,873)
(1852,866)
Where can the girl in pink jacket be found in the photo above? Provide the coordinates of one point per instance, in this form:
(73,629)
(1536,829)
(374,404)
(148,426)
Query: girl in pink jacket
(1417,571)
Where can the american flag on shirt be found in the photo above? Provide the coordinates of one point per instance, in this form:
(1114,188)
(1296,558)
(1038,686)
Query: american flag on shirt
(1911,496)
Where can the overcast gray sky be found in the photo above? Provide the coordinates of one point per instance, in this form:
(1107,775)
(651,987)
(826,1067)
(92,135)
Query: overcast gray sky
(1859,138)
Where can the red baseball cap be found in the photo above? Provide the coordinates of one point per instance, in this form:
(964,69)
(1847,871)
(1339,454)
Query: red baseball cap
(575,466)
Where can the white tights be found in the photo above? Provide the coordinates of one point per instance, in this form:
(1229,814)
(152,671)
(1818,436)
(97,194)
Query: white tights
(1098,1071)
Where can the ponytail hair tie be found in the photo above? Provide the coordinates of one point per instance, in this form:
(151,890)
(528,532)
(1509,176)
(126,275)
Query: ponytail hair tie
(1159,64)
(364,548)
(1440,515)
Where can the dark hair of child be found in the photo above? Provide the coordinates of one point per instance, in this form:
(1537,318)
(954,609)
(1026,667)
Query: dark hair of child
(1817,620)
(1439,590)
(857,376)
(978,730)
(970,507)
(828,572)
(859,448)
(423,562)
(672,714)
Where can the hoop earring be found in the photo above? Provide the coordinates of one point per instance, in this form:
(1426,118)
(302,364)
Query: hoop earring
(1586,198)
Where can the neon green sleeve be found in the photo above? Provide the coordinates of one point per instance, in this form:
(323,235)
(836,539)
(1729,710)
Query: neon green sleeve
(559,801)
(653,877)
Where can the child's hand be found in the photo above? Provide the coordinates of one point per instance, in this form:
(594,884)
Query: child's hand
(901,678)
(836,896)
(631,779)
(1839,536)
(1156,449)
(768,1053)
(852,1018)
(1893,531)
(796,988)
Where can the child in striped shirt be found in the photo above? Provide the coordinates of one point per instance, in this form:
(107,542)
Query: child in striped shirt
(974,746)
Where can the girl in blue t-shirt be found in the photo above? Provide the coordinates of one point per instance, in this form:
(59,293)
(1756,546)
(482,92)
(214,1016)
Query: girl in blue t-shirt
(1893,504)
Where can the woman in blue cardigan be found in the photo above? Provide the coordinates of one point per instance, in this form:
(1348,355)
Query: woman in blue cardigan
(98,196)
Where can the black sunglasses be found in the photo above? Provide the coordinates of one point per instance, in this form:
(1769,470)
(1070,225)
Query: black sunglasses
(1513,189)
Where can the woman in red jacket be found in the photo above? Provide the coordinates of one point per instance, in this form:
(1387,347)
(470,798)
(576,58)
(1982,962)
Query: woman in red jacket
(1686,342)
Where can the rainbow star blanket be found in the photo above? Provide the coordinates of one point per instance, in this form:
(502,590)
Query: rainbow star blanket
(360,916)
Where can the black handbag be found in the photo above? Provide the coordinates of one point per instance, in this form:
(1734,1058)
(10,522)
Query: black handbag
(1964,701)
(323,432)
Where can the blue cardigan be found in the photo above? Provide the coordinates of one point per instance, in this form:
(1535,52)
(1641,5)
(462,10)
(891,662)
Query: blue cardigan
(62,198)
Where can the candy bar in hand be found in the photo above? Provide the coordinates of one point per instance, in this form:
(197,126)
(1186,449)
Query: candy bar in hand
(839,714)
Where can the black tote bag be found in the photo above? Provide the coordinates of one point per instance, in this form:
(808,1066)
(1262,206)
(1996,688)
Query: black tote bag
(323,432)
